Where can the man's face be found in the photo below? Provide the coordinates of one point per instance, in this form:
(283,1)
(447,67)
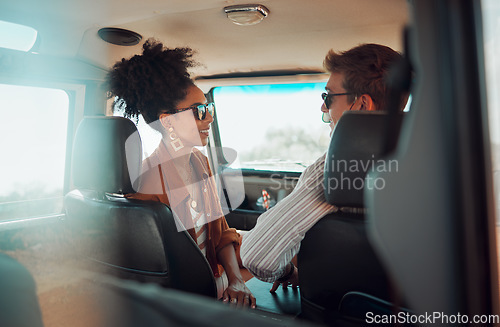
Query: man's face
(339,103)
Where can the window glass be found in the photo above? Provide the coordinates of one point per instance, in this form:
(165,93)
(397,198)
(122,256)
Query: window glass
(272,127)
(33,134)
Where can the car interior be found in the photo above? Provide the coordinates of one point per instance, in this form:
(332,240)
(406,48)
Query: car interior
(415,243)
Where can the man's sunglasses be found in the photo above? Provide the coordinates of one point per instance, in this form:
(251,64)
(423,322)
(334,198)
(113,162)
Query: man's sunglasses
(200,111)
(327,98)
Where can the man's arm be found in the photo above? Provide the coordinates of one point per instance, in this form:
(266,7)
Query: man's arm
(267,249)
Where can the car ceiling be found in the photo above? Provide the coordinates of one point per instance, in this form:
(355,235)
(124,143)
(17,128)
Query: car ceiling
(295,36)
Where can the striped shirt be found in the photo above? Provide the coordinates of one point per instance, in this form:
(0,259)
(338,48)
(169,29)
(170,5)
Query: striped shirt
(200,229)
(275,239)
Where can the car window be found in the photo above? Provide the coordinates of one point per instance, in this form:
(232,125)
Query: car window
(33,134)
(275,127)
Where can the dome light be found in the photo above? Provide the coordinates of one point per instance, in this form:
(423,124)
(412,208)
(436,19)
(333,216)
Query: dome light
(17,37)
(246,14)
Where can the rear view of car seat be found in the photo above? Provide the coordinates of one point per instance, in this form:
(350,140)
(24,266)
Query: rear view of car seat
(336,257)
(128,238)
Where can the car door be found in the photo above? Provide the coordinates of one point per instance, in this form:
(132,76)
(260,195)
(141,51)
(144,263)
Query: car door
(434,222)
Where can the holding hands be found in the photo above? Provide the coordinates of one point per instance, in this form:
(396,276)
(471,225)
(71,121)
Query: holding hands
(239,295)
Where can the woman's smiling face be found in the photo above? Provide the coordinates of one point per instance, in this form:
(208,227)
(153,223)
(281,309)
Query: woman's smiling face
(191,131)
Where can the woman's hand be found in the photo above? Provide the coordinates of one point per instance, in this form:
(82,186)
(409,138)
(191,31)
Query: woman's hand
(293,280)
(239,295)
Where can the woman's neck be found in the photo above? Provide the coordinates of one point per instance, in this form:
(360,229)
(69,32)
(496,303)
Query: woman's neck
(180,158)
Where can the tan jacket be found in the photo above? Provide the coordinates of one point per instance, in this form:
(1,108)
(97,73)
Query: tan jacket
(161,182)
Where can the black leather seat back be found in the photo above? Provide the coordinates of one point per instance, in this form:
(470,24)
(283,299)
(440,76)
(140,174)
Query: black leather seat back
(107,155)
(356,144)
(130,238)
(335,256)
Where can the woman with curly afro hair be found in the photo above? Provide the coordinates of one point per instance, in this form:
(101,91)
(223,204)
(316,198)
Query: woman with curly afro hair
(157,85)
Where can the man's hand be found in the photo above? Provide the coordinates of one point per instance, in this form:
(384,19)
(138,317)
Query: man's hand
(293,281)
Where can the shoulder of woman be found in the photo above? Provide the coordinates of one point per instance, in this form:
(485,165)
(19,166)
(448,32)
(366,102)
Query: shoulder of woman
(150,181)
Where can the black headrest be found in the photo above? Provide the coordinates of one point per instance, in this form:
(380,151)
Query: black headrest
(107,155)
(356,144)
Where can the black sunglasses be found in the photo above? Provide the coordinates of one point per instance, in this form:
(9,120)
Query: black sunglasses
(200,110)
(327,97)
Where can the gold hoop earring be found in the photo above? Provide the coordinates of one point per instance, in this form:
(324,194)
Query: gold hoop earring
(176,142)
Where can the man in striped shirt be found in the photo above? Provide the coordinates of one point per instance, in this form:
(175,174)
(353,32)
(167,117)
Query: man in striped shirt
(357,82)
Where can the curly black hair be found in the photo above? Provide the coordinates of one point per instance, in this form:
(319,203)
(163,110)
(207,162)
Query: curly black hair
(151,83)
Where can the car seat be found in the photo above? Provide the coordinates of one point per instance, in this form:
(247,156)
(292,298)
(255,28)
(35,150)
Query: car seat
(336,257)
(129,238)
